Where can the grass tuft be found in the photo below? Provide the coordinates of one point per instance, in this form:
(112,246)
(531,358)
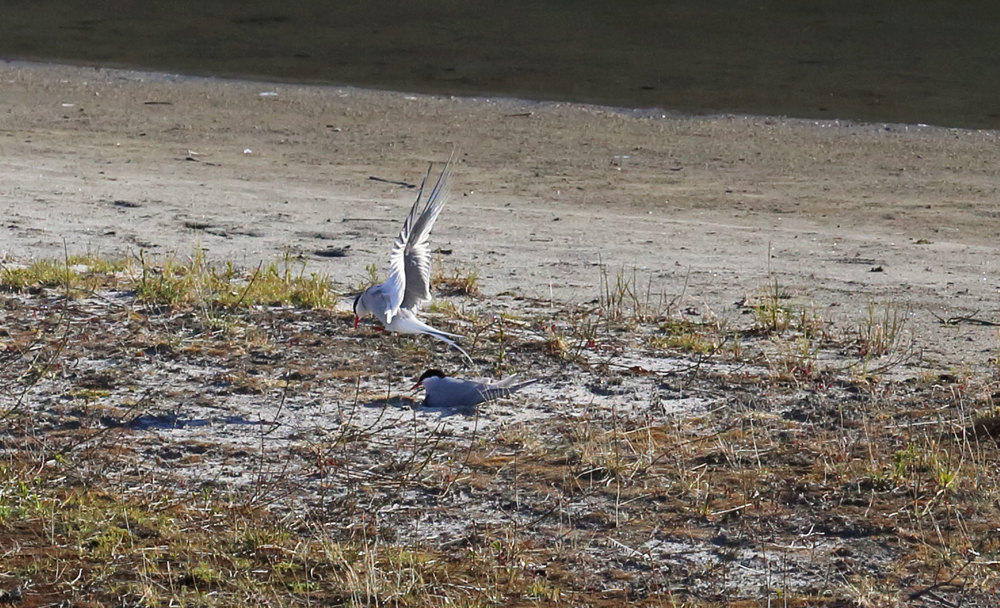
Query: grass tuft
(623,300)
(770,312)
(686,337)
(881,332)
(196,282)
(461,282)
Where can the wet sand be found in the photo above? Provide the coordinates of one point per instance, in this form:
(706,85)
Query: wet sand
(922,61)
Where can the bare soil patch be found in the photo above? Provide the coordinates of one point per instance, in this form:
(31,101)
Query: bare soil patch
(769,363)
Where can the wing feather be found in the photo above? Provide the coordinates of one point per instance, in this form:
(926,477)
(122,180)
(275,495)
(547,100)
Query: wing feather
(396,283)
(503,388)
(417,250)
(409,281)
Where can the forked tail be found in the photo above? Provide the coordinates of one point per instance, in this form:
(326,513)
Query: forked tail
(407,323)
(505,389)
(440,336)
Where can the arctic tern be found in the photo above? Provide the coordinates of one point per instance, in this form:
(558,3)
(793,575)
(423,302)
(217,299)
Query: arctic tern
(395,301)
(442,391)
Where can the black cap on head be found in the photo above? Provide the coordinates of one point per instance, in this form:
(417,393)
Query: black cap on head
(431,373)
(356,298)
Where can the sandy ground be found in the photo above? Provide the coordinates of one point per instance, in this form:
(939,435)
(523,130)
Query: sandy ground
(711,209)
(708,211)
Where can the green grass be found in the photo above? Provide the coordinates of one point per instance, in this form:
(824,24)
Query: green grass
(770,311)
(173,282)
(76,275)
(878,490)
(84,544)
(464,282)
(686,337)
(194,281)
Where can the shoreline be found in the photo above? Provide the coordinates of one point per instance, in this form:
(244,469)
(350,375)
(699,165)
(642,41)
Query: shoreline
(636,112)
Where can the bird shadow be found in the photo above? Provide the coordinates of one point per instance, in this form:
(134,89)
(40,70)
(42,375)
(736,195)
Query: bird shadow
(444,412)
(397,402)
(400,402)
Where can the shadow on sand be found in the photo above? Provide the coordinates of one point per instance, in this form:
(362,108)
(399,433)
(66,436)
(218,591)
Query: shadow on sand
(401,402)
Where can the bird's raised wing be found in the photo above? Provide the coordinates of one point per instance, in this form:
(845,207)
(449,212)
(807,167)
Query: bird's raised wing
(395,284)
(417,251)
(409,279)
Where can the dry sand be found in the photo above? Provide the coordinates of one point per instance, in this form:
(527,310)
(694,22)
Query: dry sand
(119,162)
(708,211)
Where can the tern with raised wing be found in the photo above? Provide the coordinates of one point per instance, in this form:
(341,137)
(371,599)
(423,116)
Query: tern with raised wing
(395,301)
(447,392)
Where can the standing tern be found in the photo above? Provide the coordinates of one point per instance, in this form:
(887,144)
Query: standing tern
(395,302)
(456,393)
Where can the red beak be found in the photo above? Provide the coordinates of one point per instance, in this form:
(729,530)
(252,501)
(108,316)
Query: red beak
(357,320)
(415,386)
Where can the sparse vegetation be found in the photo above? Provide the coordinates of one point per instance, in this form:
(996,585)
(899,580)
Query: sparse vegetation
(770,311)
(686,337)
(881,331)
(464,282)
(624,299)
(76,275)
(154,456)
(197,282)
(173,282)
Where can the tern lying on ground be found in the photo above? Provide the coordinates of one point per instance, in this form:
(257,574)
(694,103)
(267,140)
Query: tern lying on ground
(442,391)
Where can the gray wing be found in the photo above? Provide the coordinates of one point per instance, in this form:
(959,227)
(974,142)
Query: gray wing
(455,392)
(415,251)
(503,388)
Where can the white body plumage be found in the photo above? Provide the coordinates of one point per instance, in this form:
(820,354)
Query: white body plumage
(396,301)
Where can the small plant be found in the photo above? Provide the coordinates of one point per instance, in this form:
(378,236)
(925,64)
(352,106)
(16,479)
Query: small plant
(95,265)
(202,574)
(555,344)
(623,300)
(43,273)
(276,284)
(736,348)
(770,313)
(371,279)
(460,282)
(796,359)
(881,330)
(686,337)
(169,285)
(903,461)
(444,307)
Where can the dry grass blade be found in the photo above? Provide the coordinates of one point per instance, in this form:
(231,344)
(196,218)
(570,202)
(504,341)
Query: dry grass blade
(205,451)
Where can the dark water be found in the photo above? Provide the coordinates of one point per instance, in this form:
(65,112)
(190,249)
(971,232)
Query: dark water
(881,60)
